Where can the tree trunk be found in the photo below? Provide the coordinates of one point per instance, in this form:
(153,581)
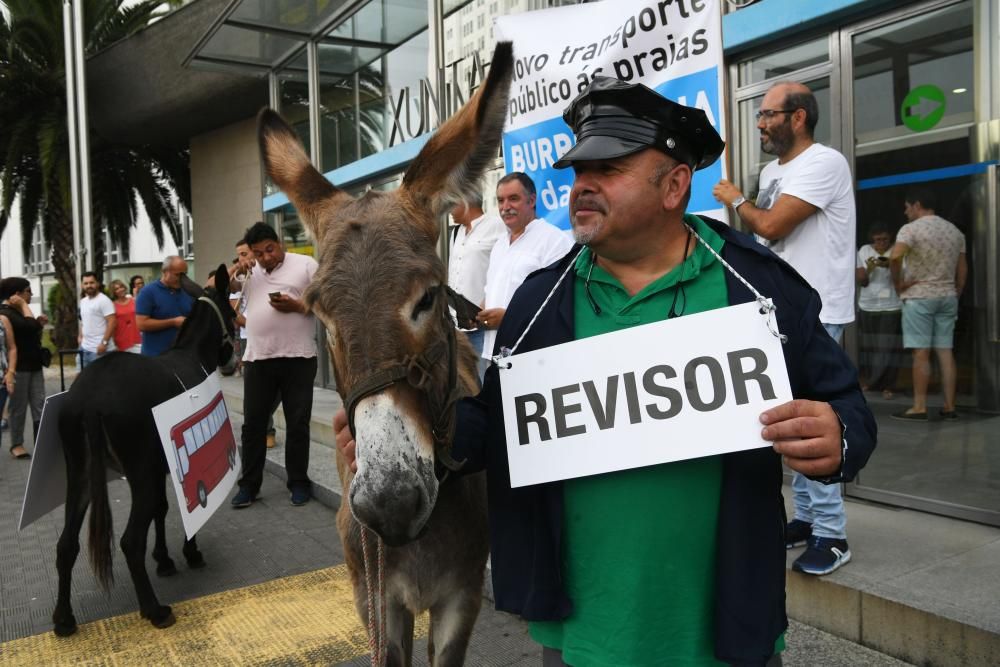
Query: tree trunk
(99,253)
(64,318)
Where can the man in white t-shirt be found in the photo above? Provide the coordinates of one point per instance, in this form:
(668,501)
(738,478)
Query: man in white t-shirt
(929,285)
(279,362)
(97,320)
(880,340)
(472,239)
(805,213)
(530,243)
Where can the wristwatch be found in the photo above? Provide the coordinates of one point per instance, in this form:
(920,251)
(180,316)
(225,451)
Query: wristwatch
(739,201)
(104,342)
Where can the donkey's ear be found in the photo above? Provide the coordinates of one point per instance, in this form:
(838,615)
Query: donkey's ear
(222,281)
(450,166)
(287,164)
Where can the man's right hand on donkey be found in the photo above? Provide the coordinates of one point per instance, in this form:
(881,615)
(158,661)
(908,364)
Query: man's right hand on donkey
(345,441)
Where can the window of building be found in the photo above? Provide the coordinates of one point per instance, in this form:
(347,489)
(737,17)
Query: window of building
(39,257)
(186,248)
(114,253)
(777,64)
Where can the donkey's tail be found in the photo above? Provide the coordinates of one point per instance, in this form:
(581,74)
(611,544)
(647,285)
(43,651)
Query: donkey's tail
(101,533)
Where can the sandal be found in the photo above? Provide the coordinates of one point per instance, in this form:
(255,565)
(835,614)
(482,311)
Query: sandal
(23,454)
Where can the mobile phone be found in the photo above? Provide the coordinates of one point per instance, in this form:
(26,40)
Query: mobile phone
(274,295)
(882,260)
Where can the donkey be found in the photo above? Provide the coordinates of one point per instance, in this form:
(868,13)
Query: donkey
(109,411)
(381,293)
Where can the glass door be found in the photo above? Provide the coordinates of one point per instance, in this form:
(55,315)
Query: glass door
(912,90)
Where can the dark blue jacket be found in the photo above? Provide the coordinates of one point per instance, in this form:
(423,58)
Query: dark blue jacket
(526,523)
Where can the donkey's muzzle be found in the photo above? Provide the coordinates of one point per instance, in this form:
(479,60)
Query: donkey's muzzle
(394,514)
(395,488)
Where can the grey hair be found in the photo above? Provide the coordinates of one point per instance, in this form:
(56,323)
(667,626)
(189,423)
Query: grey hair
(167,261)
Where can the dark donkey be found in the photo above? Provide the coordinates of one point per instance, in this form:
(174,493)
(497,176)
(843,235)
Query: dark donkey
(381,293)
(107,418)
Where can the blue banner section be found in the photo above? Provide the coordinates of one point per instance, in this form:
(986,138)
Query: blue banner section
(700,90)
(534,149)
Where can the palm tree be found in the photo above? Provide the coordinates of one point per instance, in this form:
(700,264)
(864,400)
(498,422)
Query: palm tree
(34,143)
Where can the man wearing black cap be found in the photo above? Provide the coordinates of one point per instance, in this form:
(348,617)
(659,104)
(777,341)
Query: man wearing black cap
(680,563)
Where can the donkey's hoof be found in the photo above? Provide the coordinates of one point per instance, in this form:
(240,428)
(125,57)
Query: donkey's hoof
(163,617)
(65,628)
(195,561)
(166,568)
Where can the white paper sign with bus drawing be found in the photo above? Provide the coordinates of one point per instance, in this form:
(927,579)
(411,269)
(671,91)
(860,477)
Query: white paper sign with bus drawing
(677,389)
(201,451)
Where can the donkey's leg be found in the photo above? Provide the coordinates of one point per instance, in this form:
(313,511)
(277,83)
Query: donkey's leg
(133,545)
(67,550)
(452,619)
(164,564)
(191,554)
(399,631)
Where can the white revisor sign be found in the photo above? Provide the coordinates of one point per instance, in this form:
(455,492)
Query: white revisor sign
(678,389)
(671,46)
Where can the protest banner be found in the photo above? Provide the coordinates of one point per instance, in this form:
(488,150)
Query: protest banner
(672,46)
(46,488)
(201,451)
(677,389)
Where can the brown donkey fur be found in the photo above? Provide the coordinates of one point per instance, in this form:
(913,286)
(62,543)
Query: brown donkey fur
(379,292)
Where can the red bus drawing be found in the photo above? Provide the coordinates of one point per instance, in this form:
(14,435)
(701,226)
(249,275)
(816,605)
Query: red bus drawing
(205,450)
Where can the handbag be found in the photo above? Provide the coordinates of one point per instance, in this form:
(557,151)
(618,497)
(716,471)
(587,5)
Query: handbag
(46,356)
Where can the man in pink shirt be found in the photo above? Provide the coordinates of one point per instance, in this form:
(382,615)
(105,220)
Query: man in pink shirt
(279,362)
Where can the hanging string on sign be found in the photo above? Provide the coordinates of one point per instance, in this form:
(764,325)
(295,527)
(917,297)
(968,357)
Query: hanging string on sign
(767,307)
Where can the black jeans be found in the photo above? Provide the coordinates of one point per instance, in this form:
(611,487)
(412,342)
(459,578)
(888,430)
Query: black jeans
(264,382)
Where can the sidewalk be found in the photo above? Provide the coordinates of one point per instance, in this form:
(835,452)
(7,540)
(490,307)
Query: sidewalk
(248,600)
(921,588)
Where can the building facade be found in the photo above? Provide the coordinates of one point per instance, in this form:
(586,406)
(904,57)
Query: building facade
(908,92)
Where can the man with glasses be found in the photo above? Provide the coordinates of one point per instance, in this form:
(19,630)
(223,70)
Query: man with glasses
(805,213)
(162,306)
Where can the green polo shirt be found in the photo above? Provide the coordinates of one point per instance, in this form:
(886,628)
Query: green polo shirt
(639,545)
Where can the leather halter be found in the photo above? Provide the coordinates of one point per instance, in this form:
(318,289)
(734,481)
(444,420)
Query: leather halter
(416,370)
(226,336)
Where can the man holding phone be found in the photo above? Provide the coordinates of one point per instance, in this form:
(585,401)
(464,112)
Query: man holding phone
(279,362)
(879,310)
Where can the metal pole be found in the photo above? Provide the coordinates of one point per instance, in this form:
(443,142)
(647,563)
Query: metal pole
(315,145)
(82,132)
(74,175)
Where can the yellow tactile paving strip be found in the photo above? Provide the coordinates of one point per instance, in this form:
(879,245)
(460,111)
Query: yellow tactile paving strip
(307,619)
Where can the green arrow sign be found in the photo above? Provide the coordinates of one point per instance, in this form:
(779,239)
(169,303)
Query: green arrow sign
(915,121)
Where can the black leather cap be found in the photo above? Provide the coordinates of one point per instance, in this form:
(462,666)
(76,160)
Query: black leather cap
(612,119)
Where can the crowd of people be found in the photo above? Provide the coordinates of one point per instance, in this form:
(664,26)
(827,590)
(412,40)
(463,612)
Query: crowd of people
(725,539)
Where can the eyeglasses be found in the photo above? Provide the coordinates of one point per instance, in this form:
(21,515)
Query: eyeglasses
(771,113)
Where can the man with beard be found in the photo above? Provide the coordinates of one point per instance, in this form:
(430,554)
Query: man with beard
(805,213)
(97,320)
(681,563)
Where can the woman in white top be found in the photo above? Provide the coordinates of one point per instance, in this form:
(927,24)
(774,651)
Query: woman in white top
(879,311)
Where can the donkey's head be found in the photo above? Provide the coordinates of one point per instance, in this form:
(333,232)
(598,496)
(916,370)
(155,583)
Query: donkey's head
(210,329)
(380,292)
